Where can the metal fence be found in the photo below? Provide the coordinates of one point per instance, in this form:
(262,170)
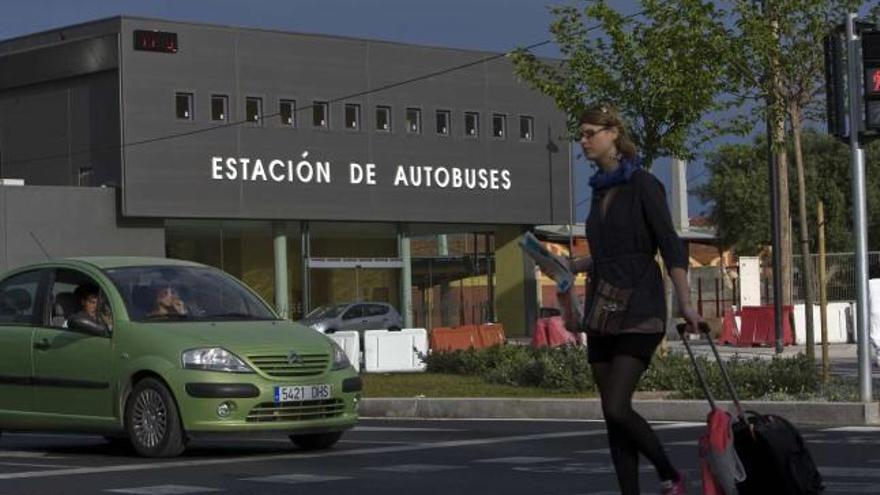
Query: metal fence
(840,271)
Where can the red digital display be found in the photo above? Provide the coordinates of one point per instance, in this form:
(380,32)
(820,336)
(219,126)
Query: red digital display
(155,41)
(873,81)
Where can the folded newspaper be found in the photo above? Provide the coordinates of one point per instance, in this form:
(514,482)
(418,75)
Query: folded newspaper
(556,267)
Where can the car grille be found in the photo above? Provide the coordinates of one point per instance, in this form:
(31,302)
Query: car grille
(296,411)
(279,365)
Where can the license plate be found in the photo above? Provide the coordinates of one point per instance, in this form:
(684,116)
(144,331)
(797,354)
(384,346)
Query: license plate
(302,392)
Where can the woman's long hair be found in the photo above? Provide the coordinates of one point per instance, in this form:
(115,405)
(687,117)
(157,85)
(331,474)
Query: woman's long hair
(607,116)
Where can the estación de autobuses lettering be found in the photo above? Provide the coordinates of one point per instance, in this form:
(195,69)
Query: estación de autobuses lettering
(305,171)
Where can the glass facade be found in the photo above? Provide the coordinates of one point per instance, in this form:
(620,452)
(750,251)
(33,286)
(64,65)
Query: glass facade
(452,274)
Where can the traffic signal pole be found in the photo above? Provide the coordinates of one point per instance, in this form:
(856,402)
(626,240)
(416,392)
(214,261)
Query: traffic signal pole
(860,229)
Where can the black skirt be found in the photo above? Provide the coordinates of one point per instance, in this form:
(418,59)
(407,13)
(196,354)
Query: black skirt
(602,349)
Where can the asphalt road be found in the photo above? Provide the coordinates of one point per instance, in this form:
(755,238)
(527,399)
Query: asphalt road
(391,457)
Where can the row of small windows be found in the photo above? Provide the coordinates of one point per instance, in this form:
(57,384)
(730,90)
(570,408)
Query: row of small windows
(287,114)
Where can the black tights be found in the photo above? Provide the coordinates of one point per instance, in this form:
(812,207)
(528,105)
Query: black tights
(628,433)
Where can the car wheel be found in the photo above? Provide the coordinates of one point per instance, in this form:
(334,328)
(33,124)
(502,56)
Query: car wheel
(330,330)
(316,441)
(394,329)
(152,421)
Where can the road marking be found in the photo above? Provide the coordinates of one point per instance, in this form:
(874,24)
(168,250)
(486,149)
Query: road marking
(594,451)
(379,442)
(577,468)
(521,460)
(854,429)
(337,453)
(395,429)
(26,454)
(164,490)
(845,487)
(34,464)
(849,472)
(684,443)
(293,479)
(415,468)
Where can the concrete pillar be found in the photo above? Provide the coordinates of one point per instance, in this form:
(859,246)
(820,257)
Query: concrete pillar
(282,291)
(403,243)
(515,283)
(679,196)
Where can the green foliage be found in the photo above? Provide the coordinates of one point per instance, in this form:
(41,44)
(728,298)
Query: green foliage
(566,369)
(738,195)
(660,69)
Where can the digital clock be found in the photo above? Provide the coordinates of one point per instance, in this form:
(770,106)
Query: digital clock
(155,41)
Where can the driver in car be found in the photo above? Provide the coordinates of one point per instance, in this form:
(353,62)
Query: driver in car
(168,302)
(87,295)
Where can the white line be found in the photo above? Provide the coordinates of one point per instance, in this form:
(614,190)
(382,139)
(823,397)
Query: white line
(33,464)
(393,429)
(277,457)
(855,429)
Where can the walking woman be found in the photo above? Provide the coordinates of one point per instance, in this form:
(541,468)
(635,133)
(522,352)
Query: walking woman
(625,310)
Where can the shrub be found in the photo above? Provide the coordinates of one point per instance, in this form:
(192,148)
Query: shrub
(565,369)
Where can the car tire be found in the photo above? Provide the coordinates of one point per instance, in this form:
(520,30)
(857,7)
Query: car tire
(329,331)
(152,420)
(394,329)
(316,441)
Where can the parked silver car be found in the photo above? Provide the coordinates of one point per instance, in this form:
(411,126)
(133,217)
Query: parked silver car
(357,316)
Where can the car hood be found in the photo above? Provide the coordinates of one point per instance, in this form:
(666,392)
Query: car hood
(252,336)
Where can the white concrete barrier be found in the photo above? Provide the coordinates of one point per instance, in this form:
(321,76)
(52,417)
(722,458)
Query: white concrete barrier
(351,343)
(389,351)
(837,323)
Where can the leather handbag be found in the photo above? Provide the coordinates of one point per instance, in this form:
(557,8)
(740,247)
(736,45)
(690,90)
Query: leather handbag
(608,309)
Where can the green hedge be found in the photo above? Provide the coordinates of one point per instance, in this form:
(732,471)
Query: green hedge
(565,369)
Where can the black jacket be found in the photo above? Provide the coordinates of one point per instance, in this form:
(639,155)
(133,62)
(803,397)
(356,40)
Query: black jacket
(624,244)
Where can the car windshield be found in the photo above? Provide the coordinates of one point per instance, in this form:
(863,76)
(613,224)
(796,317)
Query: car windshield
(326,312)
(175,293)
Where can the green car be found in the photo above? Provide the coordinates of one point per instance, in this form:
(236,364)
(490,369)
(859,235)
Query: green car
(159,351)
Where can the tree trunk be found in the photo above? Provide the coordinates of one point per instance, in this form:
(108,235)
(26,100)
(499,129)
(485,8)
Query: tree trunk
(807,282)
(784,206)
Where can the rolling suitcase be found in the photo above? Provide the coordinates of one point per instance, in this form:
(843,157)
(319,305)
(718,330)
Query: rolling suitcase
(773,452)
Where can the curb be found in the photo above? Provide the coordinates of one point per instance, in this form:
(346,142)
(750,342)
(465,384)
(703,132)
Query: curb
(802,413)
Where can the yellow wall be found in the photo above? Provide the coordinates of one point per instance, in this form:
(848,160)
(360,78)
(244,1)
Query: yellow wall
(510,302)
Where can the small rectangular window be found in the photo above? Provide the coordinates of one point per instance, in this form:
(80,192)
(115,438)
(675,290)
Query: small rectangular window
(526,128)
(219,108)
(443,120)
(499,126)
(184,106)
(287,112)
(321,114)
(413,121)
(383,119)
(84,178)
(352,116)
(471,124)
(253,108)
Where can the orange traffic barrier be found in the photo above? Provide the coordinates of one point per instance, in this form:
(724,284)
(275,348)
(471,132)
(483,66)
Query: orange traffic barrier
(453,339)
(491,335)
(729,332)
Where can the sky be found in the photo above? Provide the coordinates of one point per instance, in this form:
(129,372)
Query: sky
(491,25)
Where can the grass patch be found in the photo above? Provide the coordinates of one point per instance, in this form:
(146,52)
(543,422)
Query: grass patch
(449,385)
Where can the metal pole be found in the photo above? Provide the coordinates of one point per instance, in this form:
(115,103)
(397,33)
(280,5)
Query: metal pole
(823,292)
(405,253)
(774,213)
(860,230)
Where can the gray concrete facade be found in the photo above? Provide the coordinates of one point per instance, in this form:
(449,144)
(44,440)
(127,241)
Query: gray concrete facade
(40,222)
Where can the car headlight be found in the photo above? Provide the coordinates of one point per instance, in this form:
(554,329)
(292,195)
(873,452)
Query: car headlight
(340,359)
(214,359)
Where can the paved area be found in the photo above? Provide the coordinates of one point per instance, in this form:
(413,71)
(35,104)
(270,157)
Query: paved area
(392,457)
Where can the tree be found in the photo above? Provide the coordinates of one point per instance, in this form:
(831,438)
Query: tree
(659,69)
(738,197)
(780,46)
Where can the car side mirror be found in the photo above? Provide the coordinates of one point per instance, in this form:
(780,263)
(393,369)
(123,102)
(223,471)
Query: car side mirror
(87,326)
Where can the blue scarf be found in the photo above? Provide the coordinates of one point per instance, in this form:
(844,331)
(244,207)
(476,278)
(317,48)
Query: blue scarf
(603,180)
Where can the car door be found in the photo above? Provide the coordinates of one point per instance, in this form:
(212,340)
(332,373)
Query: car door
(20,311)
(353,318)
(72,370)
(377,317)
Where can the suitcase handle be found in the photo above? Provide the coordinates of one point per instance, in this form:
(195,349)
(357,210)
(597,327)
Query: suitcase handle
(704,329)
